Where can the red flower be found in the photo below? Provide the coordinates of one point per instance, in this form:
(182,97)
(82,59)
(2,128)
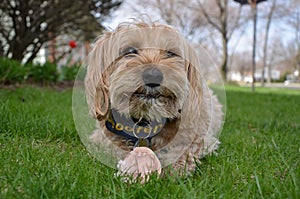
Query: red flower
(72,44)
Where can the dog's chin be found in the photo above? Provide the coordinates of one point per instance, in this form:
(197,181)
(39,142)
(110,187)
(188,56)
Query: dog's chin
(154,103)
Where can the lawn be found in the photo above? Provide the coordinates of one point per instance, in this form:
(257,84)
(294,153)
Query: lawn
(42,156)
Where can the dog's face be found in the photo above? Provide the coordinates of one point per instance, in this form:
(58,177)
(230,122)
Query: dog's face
(142,71)
(148,83)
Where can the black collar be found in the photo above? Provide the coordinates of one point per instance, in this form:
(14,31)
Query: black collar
(137,131)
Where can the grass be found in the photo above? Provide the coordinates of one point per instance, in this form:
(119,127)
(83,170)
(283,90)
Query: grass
(42,156)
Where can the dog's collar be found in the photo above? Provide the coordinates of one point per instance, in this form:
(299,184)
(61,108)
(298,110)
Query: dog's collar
(140,132)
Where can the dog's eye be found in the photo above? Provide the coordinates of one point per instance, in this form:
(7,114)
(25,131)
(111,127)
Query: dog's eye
(170,54)
(130,51)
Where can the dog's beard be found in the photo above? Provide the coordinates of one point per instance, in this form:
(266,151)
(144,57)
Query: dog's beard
(133,98)
(153,103)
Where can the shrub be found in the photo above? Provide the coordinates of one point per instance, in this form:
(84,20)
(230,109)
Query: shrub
(68,73)
(11,71)
(42,74)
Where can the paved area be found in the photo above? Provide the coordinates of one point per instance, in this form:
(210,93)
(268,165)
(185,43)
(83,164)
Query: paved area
(293,86)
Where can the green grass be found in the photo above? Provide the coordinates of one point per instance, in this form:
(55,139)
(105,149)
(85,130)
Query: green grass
(42,156)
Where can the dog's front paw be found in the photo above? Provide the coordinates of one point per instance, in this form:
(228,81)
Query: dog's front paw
(139,164)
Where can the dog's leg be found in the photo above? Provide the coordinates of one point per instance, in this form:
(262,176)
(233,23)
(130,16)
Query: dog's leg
(186,163)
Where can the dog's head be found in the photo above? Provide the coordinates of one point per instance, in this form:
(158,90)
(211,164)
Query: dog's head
(144,71)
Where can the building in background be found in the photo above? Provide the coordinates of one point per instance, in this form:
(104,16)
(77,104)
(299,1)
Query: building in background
(63,50)
(275,75)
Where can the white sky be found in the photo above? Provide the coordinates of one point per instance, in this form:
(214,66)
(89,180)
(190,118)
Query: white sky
(127,11)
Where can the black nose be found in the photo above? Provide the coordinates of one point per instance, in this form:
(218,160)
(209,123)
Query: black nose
(152,77)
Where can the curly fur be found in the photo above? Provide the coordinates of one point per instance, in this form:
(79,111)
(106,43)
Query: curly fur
(114,80)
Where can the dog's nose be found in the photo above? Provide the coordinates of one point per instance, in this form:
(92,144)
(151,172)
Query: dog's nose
(152,77)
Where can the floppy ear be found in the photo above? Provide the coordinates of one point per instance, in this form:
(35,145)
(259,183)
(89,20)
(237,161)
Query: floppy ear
(96,79)
(101,100)
(194,99)
(193,72)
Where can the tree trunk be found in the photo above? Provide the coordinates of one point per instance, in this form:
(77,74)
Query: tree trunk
(254,10)
(52,49)
(225,56)
(16,49)
(1,50)
(223,18)
(298,45)
(87,48)
(222,28)
(265,51)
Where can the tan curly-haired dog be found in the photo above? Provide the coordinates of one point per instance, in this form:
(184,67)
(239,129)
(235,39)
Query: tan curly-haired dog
(144,86)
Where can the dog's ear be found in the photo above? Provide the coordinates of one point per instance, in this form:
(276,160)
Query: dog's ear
(195,82)
(193,77)
(101,100)
(193,72)
(96,79)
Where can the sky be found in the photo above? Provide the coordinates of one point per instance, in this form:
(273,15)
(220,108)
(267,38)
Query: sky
(241,40)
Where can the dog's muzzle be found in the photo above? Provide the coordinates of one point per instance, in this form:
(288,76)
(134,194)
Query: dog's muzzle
(152,77)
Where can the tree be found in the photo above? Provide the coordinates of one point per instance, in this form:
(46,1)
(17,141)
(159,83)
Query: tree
(265,53)
(176,13)
(253,4)
(241,63)
(26,25)
(294,22)
(220,22)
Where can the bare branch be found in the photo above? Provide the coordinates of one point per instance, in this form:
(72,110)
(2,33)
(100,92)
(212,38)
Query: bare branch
(236,23)
(208,18)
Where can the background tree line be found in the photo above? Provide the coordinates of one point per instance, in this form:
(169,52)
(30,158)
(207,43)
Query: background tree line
(223,27)
(25,25)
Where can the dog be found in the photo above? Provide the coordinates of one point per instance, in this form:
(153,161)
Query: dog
(145,89)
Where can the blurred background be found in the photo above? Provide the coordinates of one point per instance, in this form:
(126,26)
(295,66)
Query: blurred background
(47,40)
